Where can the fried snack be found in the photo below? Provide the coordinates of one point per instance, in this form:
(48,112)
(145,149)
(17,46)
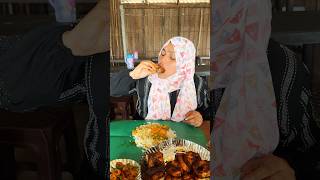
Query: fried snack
(202,168)
(182,164)
(155,159)
(191,157)
(173,168)
(113,177)
(155,164)
(169,177)
(187,177)
(124,171)
(158,175)
(159,68)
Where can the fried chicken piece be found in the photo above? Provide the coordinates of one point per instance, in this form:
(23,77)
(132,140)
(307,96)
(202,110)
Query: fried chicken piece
(158,175)
(202,168)
(169,177)
(130,172)
(116,172)
(187,177)
(155,159)
(174,169)
(180,158)
(191,157)
(154,170)
(113,177)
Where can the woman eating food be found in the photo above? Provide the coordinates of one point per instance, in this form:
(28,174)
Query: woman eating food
(169,90)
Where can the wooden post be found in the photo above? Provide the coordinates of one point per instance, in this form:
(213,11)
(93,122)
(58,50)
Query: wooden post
(10,8)
(144,32)
(179,20)
(200,31)
(27,9)
(123,31)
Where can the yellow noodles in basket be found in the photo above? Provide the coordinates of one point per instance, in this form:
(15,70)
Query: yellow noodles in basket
(149,135)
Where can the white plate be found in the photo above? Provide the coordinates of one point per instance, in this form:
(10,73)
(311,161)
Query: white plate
(179,144)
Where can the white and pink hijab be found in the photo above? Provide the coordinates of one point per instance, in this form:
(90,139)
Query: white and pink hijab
(159,101)
(246,121)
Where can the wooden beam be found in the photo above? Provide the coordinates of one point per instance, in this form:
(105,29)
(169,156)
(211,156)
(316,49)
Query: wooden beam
(166,5)
(42,1)
(123,32)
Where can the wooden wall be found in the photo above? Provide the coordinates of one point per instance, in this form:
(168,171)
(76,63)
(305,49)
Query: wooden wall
(148,28)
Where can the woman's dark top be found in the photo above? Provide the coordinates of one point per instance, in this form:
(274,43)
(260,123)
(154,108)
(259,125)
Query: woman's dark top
(299,129)
(40,71)
(121,84)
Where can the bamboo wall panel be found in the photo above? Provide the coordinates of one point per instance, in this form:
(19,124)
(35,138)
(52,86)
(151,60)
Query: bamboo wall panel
(115,30)
(147,29)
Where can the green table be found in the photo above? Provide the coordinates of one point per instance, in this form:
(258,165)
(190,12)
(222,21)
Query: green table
(122,143)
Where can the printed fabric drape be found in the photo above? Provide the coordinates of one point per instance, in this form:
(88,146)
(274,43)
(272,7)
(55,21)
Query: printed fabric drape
(246,121)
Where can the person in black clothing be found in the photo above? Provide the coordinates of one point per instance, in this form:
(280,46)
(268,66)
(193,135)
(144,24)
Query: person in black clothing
(298,125)
(61,63)
(154,87)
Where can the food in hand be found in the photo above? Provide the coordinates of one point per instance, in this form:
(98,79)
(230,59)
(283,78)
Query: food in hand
(159,69)
(124,171)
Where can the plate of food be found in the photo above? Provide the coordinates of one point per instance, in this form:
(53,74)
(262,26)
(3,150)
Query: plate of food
(176,159)
(125,169)
(152,134)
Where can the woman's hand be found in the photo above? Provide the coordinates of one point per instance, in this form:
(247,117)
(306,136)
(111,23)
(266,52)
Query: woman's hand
(193,118)
(268,167)
(144,69)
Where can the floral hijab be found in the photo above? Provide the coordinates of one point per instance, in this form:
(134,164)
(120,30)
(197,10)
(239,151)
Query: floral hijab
(159,101)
